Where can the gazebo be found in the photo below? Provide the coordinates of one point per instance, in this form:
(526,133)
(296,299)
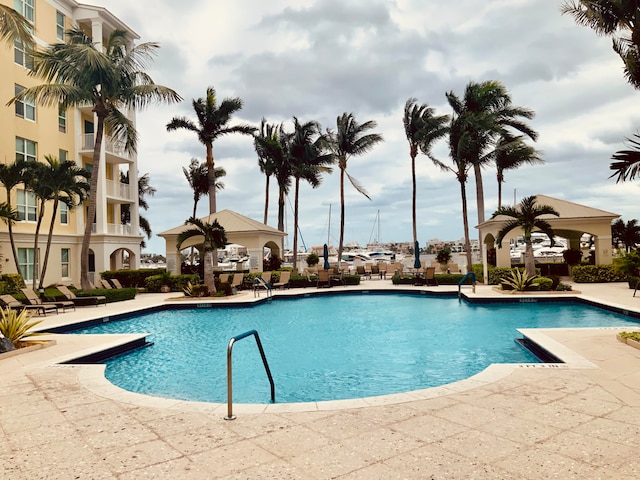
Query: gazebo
(255,236)
(574,221)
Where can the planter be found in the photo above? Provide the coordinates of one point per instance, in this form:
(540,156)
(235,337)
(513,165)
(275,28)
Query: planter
(30,348)
(629,341)
(165,289)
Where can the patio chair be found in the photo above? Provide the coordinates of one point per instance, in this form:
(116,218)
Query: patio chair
(10,301)
(34,299)
(266,277)
(105,284)
(237,280)
(224,278)
(360,270)
(430,276)
(82,301)
(324,280)
(382,270)
(283,282)
(116,283)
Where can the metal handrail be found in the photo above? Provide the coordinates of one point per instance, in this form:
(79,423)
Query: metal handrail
(230,415)
(462,280)
(259,281)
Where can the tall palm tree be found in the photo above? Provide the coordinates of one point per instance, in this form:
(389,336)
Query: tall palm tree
(57,182)
(619,19)
(274,145)
(13,26)
(527,217)
(267,133)
(111,80)
(511,153)
(422,128)
(627,162)
(308,162)
(350,139)
(626,233)
(213,123)
(11,176)
(484,113)
(214,237)
(8,215)
(144,189)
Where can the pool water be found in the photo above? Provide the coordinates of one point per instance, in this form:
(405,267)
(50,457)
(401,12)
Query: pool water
(332,347)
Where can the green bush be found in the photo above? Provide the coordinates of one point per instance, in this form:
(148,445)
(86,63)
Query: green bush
(176,283)
(132,278)
(11,283)
(112,294)
(312,259)
(543,283)
(628,263)
(597,274)
(633,282)
(451,279)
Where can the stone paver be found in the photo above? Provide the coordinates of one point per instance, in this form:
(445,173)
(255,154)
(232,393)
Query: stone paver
(578,421)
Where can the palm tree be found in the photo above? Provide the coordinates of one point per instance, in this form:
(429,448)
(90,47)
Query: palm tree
(10,177)
(57,182)
(144,189)
(627,162)
(8,215)
(511,153)
(308,162)
(267,133)
(527,217)
(111,80)
(422,128)
(13,26)
(212,123)
(274,145)
(349,140)
(618,19)
(214,238)
(625,233)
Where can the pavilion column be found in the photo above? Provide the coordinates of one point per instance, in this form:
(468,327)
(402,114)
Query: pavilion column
(603,249)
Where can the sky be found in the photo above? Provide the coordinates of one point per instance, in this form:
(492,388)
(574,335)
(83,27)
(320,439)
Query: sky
(318,59)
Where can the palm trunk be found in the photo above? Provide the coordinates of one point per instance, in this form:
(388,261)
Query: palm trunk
(529,261)
(500,179)
(36,266)
(477,171)
(295,226)
(281,210)
(341,215)
(209,278)
(13,245)
(85,284)
(211,176)
(266,202)
(193,249)
(45,261)
(413,212)
(465,222)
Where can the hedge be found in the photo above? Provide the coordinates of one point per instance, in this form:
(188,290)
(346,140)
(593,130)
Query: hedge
(176,283)
(132,278)
(597,274)
(11,283)
(112,294)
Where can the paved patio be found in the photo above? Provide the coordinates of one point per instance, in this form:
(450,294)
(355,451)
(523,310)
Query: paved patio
(580,419)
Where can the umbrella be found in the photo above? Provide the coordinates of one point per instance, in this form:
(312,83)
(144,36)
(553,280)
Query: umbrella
(326,256)
(416,264)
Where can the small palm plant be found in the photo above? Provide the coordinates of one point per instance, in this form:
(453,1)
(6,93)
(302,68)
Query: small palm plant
(16,326)
(520,281)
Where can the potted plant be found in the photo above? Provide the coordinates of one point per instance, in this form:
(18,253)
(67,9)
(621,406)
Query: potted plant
(443,257)
(166,281)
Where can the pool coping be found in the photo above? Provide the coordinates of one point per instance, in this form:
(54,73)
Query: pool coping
(92,377)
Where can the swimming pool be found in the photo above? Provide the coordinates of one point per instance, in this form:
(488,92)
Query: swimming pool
(332,347)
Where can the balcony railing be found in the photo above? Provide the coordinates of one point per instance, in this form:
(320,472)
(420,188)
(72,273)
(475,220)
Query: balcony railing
(110,144)
(119,190)
(118,229)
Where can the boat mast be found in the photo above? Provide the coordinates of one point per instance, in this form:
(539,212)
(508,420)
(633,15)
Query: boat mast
(329,227)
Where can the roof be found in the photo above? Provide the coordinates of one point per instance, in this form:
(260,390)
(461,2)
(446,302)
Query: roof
(231,222)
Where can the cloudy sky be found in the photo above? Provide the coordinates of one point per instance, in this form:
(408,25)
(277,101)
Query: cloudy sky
(317,59)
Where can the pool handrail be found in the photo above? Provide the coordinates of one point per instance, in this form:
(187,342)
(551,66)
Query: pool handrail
(260,282)
(230,415)
(463,279)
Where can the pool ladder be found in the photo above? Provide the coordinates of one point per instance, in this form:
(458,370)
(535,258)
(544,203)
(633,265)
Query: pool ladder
(230,415)
(261,283)
(471,275)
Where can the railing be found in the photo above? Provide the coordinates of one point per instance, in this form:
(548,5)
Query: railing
(230,415)
(118,229)
(110,144)
(119,190)
(259,283)
(471,275)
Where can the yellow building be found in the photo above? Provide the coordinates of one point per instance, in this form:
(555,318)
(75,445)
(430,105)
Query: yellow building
(31,131)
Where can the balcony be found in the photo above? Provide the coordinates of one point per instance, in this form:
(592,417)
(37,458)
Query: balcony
(111,146)
(122,191)
(118,229)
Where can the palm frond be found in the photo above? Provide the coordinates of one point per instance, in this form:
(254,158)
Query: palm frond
(357,185)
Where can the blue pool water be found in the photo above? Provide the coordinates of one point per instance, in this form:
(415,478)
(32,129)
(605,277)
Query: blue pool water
(332,347)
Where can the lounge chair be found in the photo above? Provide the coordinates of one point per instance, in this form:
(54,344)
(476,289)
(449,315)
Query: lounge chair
(224,278)
(283,282)
(360,270)
(34,299)
(430,276)
(82,301)
(266,277)
(237,280)
(116,283)
(104,283)
(324,279)
(11,302)
(382,270)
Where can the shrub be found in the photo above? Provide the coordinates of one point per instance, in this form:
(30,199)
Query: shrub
(11,283)
(543,283)
(451,279)
(572,256)
(312,259)
(628,263)
(132,278)
(597,274)
(176,283)
(112,294)
(16,325)
(273,263)
(633,282)
(562,287)
(518,281)
(443,257)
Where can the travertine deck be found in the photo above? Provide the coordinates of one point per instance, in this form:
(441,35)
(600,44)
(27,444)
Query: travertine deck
(578,420)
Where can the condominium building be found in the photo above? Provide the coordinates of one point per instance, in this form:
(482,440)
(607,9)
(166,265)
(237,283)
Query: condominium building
(30,131)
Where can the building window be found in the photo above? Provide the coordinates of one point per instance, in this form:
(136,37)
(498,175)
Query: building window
(21,55)
(64,213)
(60,26)
(62,155)
(26,260)
(25,149)
(64,262)
(27,206)
(62,119)
(25,8)
(25,108)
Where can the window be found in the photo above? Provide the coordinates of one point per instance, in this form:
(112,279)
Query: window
(64,262)
(26,261)
(60,26)
(25,8)
(62,155)
(21,55)
(62,119)
(25,149)
(27,206)
(25,108)
(64,213)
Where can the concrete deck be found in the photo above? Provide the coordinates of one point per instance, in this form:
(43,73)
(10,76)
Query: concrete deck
(580,419)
